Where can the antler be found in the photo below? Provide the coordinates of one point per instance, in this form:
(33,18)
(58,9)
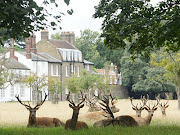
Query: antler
(38,105)
(105,103)
(71,102)
(167,99)
(112,99)
(155,105)
(132,103)
(27,106)
(83,99)
(144,100)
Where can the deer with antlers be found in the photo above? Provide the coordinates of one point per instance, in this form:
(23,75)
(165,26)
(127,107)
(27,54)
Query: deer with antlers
(164,105)
(73,123)
(93,107)
(124,120)
(137,108)
(40,121)
(148,118)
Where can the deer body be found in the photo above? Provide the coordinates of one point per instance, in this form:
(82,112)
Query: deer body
(40,121)
(73,123)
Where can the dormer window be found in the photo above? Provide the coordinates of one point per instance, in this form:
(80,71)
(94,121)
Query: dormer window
(67,70)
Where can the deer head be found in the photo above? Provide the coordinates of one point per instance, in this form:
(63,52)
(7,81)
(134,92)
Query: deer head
(154,108)
(164,105)
(32,110)
(92,104)
(113,102)
(137,108)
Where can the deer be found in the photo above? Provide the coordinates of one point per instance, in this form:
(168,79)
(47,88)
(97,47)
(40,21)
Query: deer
(147,120)
(141,107)
(40,121)
(164,105)
(124,120)
(73,123)
(93,107)
(99,114)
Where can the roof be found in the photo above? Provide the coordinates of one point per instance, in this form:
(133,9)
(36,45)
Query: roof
(62,44)
(34,57)
(49,58)
(14,64)
(87,62)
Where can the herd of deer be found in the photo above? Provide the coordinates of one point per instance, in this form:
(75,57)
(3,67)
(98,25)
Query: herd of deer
(106,108)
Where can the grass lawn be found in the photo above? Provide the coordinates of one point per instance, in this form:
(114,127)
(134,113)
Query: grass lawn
(117,130)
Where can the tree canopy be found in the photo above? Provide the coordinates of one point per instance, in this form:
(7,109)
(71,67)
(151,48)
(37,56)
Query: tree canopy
(139,26)
(22,17)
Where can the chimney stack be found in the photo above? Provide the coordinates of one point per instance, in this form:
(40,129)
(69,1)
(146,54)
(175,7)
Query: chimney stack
(33,47)
(12,49)
(68,36)
(44,34)
(28,42)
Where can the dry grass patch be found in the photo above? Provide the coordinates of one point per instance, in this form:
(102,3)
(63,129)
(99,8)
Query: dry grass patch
(14,114)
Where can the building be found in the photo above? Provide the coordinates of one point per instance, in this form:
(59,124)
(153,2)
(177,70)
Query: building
(56,58)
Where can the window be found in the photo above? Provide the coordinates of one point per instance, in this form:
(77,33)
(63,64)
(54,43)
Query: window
(72,56)
(80,56)
(72,68)
(22,91)
(2,93)
(66,91)
(64,55)
(69,57)
(75,56)
(12,90)
(51,69)
(57,70)
(66,70)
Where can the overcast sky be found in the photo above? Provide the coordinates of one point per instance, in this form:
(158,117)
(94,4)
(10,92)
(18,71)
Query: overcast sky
(81,18)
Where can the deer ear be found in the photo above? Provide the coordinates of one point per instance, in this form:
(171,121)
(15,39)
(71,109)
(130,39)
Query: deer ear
(155,109)
(167,106)
(133,108)
(142,108)
(82,106)
(70,106)
(146,108)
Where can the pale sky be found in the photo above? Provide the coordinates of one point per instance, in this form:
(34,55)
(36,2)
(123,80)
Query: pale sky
(81,18)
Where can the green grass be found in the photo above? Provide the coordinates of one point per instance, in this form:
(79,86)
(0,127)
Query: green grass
(117,130)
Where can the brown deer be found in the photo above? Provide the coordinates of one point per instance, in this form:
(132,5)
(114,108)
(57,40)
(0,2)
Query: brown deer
(93,107)
(113,102)
(164,105)
(73,123)
(141,107)
(124,120)
(148,118)
(40,121)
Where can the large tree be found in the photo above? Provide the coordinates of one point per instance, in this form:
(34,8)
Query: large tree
(22,17)
(139,26)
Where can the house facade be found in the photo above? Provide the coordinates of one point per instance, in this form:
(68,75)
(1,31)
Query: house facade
(56,58)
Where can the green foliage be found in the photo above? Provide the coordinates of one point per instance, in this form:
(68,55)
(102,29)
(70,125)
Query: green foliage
(56,36)
(37,83)
(139,26)
(54,85)
(72,84)
(21,17)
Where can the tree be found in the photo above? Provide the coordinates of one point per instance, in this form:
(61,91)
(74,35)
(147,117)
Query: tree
(37,84)
(171,63)
(55,88)
(139,26)
(56,36)
(22,17)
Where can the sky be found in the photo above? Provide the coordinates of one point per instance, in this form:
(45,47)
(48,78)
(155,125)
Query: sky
(81,19)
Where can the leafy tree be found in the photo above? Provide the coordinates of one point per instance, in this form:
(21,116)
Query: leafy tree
(139,26)
(55,88)
(37,84)
(56,36)
(72,84)
(171,63)
(22,17)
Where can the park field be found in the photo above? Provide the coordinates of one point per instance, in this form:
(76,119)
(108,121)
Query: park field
(14,118)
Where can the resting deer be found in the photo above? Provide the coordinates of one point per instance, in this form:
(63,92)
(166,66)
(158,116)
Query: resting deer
(73,123)
(93,107)
(141,107)
(124,120)
(148,118)
(40,121)
(99,114)
(164,105)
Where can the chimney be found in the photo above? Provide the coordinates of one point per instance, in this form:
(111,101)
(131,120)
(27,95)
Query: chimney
(44,34)
(33,47)
(68,36)
(12,49)
(28,42)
